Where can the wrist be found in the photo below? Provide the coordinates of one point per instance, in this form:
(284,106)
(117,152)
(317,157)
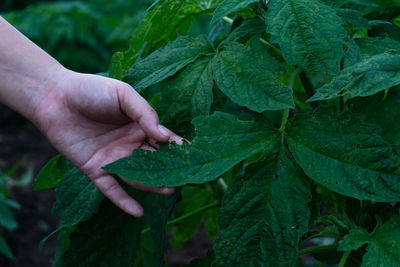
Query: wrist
(48,96)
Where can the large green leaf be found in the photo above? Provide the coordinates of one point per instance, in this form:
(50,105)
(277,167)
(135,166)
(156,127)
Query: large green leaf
(264,215)
(229,6)
(159,214)
(187,95)
(221,142)
(110,238)
(345,154)
(249,76)
(383,111)
(168,60)
(247,29)
(353,20)
(383,244)
(77,198)
(165,21)
(370,76)
(309,33)
(374,46)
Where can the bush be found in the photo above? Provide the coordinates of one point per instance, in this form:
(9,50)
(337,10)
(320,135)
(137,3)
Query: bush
(291,109)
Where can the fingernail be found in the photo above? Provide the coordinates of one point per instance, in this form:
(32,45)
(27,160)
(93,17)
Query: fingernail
(135,212)
(168,190)
(163,130)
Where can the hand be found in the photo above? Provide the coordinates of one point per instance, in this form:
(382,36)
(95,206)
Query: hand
(93,121)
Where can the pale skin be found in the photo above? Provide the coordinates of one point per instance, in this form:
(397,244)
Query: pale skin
(91,120)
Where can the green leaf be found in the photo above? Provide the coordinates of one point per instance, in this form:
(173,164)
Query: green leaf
(167,61)
(368,77)
(159,215)
(374,46)
(364,6)
(5,249)
(383,111)
(309,33)
(384,29)
(385,12)
(222,141)
(382,247)
(7,219)
(249,76)
(356,238)
(110,238)
(352,18)
(229,6)
(345,154)
(247,29)
(52,173)
(165,21)
(264,215)
(187,95)
(77,198)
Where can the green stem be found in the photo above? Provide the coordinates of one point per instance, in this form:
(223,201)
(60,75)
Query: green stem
(278,51)
(227,19)
(307,84)
(316,249)
(308,87)
(285,117)
(222,185)
(293,77)
(344,258)
(187,215)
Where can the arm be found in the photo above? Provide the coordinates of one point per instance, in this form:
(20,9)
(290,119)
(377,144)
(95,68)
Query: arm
(91,120)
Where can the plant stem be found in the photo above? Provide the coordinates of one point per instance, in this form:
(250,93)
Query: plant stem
(285,117)
(293,77)
(316,249)
(187,215)
(227,19)
(307,87)
(279,52)
(344,258)
(222,185)
(307,84)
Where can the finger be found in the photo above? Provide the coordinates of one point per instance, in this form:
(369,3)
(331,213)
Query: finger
(176,139)
(137,108)
(173,137)
(146,147)
(111,189)
(157,190)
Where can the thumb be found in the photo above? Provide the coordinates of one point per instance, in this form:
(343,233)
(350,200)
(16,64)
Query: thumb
(139,110)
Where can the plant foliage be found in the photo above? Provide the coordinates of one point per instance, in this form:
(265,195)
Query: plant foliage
(291,107)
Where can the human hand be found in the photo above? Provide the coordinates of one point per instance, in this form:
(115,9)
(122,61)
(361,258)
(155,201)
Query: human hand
(93,121)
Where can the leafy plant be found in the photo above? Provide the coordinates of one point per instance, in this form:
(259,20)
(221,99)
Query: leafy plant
(7,221)
(82,35)
(291,109)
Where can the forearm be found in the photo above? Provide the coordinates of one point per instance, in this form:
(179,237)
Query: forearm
(27,73)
